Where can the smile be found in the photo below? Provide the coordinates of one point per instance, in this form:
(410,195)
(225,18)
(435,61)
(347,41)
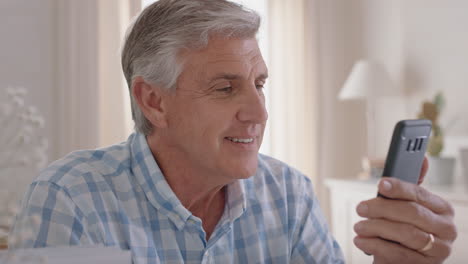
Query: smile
(240,140)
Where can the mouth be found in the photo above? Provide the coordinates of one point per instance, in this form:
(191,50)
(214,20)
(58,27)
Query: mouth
(243,143)
(240,140)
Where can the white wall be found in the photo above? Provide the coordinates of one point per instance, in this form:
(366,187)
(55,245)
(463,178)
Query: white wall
(342,135)
(423,45)
(26,56)
(435,53)
(50,47)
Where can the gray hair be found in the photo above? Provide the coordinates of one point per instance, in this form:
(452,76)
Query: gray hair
(153,43)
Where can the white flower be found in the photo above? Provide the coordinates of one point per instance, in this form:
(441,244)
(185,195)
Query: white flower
(21,125)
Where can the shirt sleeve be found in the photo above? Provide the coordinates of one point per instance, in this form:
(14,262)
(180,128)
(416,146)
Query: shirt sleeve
(48,217)
(312,241)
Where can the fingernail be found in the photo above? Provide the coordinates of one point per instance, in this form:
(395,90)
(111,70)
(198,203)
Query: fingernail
(386,185)
(362,209)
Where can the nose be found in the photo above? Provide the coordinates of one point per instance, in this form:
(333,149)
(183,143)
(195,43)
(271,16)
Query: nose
(252,108)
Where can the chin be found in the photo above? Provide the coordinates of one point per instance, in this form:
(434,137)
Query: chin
(247,174)
(245,170)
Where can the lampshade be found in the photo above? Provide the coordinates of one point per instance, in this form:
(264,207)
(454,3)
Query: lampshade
(366,79)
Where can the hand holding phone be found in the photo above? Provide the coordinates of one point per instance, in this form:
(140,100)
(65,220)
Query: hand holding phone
(407,150)
(401,223)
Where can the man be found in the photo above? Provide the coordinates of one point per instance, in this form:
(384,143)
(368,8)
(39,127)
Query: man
(190,186)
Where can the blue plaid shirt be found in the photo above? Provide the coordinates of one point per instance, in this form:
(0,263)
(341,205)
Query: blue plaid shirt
(118,197)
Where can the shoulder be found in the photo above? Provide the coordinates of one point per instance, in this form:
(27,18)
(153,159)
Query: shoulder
(275,178)
(273,170)
(91,164)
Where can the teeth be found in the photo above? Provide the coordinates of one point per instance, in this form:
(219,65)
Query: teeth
(241,140)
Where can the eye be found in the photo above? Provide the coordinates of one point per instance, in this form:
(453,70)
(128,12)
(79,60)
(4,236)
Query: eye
(225,89)
(260,88)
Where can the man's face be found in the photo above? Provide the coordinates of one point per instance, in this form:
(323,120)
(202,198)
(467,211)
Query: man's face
(217,116)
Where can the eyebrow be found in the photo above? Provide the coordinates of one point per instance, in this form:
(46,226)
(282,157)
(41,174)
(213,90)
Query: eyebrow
(229,76)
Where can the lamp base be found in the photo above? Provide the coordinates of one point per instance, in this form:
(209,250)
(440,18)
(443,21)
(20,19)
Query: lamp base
(372,168)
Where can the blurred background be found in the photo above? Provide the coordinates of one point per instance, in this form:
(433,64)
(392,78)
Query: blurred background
(343,72)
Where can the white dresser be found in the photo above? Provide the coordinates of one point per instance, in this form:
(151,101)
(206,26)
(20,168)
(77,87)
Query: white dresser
(345,195)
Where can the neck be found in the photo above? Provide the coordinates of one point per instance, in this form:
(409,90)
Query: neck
(198,191)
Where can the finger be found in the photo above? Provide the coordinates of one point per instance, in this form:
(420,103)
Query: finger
(388,252)
(410,213)
(396,189)
(424,169)
(406,235)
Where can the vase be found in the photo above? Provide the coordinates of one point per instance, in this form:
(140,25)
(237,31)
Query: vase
(464,163)
(441,171)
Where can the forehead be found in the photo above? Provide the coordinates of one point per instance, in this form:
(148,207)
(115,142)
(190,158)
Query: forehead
(236,56)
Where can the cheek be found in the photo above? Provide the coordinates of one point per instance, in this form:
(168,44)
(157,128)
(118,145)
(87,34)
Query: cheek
(215,115)
(204,122)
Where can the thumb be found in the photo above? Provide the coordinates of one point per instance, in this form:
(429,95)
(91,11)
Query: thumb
(424,169)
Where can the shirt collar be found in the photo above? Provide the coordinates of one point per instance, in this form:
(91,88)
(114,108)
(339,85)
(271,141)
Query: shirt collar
(236,199)
(151,179)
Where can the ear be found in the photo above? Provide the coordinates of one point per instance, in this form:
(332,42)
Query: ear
(150,100)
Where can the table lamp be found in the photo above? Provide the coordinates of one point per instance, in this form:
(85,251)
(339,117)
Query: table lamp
(366,81)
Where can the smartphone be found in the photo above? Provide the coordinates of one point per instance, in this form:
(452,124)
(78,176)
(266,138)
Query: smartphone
(407,150)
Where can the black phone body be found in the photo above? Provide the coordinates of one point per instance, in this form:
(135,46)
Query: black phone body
(407,150)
